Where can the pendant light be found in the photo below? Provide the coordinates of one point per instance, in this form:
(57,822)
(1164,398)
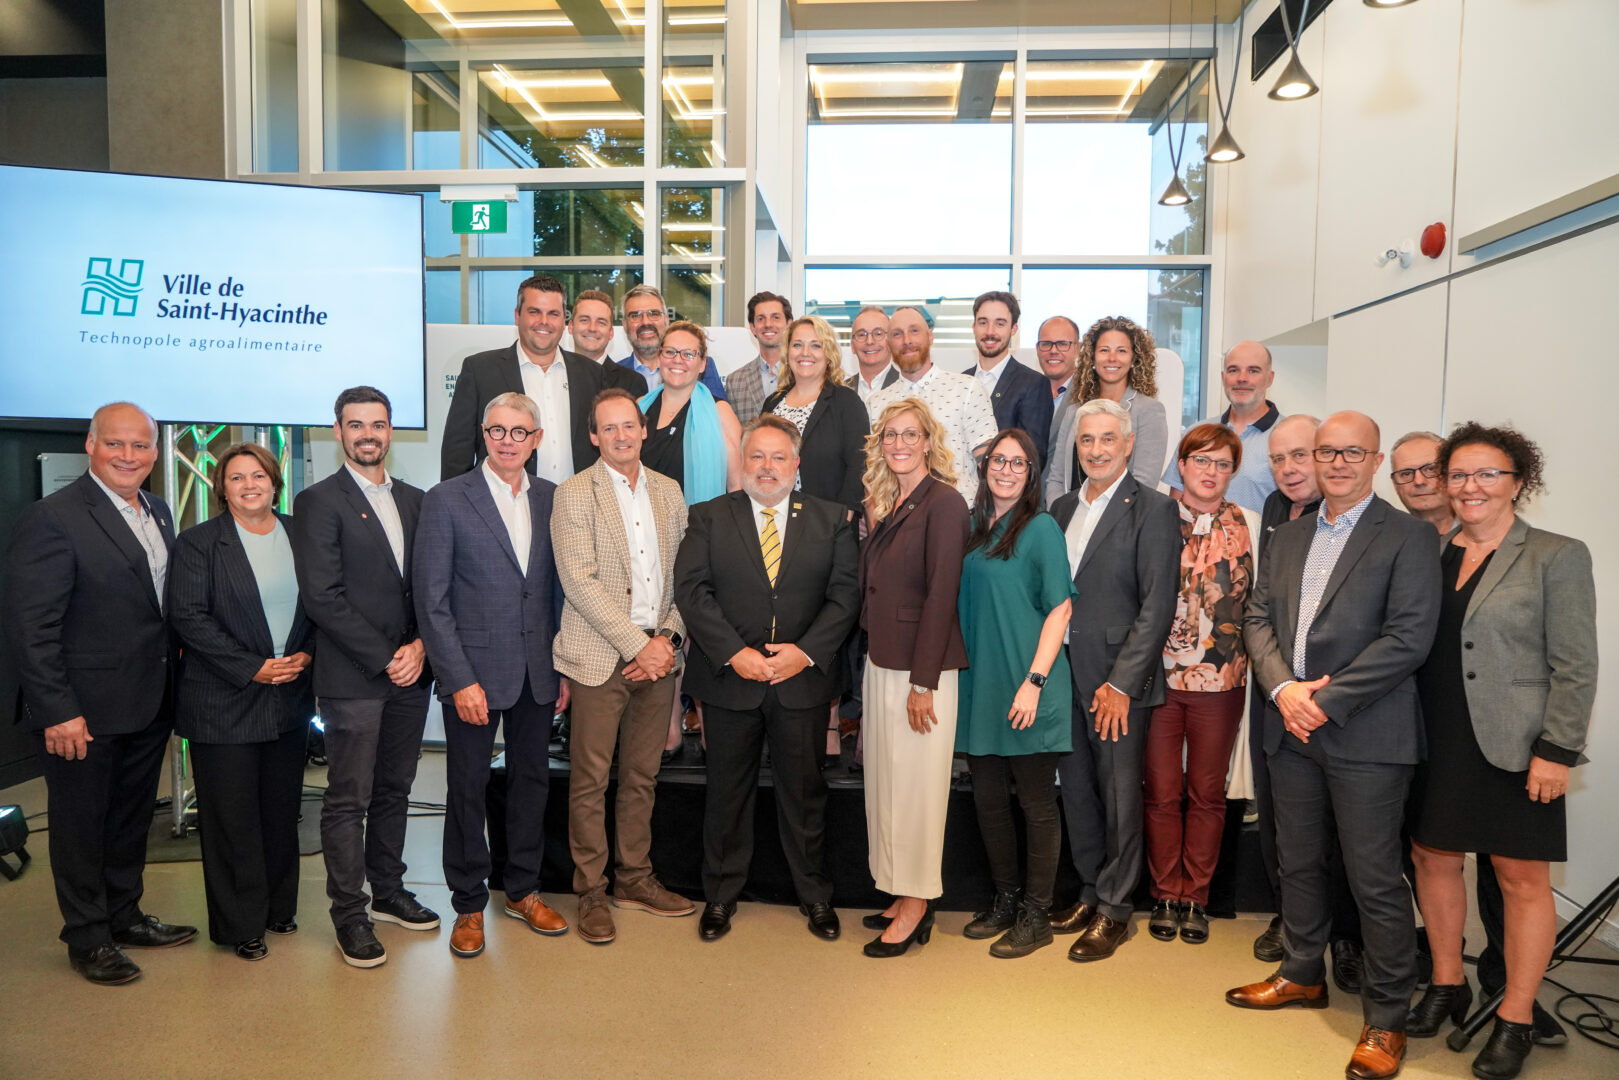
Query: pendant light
(1388,3)
(1176,194)
(1224,149)
(1295,82)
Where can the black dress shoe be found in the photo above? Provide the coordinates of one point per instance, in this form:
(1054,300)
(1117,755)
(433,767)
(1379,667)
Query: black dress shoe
(403,910)
(1165,920)
(1502,1057)
(1268,946)
(1194,923)
(1100,940)
(823,921)
(1439,1001)
(290,926)
(878,921)
(715,922)
(1071,919)
(1346,966)
(105,965)
(255,949)
(151,934)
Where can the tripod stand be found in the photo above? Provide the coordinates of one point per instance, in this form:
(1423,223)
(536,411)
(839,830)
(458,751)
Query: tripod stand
(1567,939)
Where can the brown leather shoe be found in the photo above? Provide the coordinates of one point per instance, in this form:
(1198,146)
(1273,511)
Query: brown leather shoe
(541,918)
(1100,939)
(1277,993)
(1071,919)
(467,937)
(1379,1055)
(596,918)
(648,894)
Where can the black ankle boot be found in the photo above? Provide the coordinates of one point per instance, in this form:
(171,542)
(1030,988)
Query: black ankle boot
(1031,931)
(1000,917)
(1437,1003)
(1502,1057)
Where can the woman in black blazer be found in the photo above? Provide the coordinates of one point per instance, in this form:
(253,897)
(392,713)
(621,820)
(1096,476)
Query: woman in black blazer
(829,416)
(244,698)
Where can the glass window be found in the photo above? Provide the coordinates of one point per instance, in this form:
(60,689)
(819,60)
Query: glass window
(444,296)
(837,294)
(275,85)
(694,252)
(1096,156)
(438,239)
(1167,302)
(388,104)
(694,84)
(570,221)
(909,159)
(494,292)
(549,117)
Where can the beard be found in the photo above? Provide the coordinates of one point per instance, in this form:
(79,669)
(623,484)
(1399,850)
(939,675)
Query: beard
(1000,350)
(913,363)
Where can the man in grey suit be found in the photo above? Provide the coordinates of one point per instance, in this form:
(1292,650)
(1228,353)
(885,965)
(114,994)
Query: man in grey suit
(1124,545)
(1343,612)
(487,602)
(747,387)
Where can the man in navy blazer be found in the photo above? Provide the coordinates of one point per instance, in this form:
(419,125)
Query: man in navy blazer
(1343,611)
(488,601)
(1020,395)
(84,586)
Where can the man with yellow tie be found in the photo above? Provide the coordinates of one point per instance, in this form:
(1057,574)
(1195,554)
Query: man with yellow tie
(767,582)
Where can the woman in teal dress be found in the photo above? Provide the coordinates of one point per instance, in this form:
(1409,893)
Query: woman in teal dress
(1016,694)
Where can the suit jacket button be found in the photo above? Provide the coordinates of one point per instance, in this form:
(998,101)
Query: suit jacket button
(1467,644)
(1471,675)
(629,592)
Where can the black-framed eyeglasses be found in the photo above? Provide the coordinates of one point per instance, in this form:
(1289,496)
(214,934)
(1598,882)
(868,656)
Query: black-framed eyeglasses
(1000,462)
(498,432)
(1352,454)
(1405,476)
(689,355)
(908,437)
(1219,465)
(1052,346)
(1297,457)
(1487,478)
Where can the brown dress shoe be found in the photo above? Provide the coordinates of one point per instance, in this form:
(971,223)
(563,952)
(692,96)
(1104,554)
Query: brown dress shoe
(1379,1055)
(1100,939)
(541,918)
(1277,993)
(596,918)
(648,894)
(1071,919)
(466,939)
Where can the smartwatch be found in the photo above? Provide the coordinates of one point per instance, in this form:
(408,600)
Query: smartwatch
(674,637)
(1036,678)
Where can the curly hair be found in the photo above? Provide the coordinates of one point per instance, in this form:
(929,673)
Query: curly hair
(1527,460)
(830,348)
(882,486)
(1143,378)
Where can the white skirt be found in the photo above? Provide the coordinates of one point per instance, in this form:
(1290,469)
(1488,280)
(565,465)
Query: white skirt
(907,779)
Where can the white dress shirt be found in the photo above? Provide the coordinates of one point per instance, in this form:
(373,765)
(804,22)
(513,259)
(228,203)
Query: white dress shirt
(783,511)
(381,498)
(641,532)
(514,512)
(866,389)
(988,379)
(957,401)
(144,526)
(1086,516)
(553,458)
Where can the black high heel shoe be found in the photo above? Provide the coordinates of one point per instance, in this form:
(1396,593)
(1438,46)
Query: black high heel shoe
(882,950)
(1439,1001)
(1502,1057)
(878,921)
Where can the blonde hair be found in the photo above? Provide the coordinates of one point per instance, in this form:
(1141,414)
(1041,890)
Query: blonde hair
(882,486)
(828,338)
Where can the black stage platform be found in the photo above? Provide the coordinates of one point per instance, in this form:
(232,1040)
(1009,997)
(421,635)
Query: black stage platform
(677,844)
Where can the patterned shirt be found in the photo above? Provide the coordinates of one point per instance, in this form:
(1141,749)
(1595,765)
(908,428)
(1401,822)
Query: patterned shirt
(1204,651)
(1325,547)
(960,404)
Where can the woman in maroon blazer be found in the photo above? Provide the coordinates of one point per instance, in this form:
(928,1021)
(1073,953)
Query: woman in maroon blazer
(910,570)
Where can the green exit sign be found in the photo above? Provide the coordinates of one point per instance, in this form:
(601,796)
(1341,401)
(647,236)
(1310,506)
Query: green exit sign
(478,217)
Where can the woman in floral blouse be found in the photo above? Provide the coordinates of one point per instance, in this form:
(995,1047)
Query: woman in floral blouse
(1207,675)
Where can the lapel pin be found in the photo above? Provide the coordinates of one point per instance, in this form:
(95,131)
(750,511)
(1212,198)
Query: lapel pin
(364,516)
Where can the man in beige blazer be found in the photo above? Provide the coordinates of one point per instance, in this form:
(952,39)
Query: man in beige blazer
(615,528)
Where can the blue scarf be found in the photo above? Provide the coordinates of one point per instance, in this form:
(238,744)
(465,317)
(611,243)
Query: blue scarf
(703,445)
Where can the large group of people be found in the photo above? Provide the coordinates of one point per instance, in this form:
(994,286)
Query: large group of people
(1000,551)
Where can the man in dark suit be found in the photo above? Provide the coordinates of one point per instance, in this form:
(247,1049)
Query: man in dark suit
(85,584)
(768,582)
(868,341)
(591,328)
(561,383)
(1020,395)
(352,539)
(1343,612)
(1124,546)
(487,600)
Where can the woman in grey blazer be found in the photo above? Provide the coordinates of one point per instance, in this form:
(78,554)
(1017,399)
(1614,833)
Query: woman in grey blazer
(1117,360)
(1507,694)
(244,698)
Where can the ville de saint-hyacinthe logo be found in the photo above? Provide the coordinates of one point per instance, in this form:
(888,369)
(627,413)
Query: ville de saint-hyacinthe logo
(102,285)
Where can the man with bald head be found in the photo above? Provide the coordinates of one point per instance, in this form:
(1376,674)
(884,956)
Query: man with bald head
(1056,350)
(1246,375)
(85,578)
(1343,612)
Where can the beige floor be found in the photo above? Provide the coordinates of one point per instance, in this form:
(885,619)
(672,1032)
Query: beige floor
(768,1001)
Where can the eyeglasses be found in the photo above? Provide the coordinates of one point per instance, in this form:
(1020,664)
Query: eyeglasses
(908,437)
(871,335)
(1405,476)
(1000,462)
(1352,454)
(1486,478)
(1297,457)
(650,315)
(519,434)
(1219,465)
(689,355)
(1051,346)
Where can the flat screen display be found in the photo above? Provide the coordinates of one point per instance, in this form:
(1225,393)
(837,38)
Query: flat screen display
(206,300)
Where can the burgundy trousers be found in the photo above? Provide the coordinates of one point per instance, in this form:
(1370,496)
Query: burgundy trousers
(1182,847)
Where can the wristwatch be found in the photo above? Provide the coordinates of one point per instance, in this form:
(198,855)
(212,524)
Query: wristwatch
(915,689)
(674,637)
(1036,678)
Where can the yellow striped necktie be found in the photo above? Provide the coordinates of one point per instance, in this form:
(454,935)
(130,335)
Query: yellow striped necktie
(770,544)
